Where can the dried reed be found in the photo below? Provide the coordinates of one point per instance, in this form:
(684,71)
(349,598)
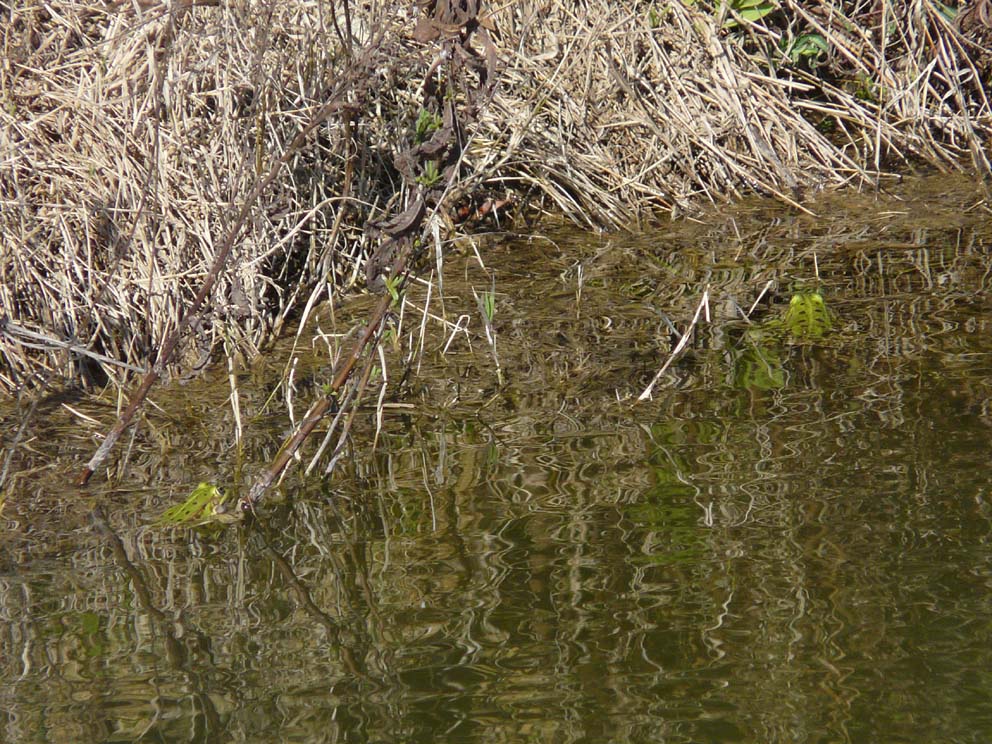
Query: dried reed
(612,111)
(129,136)
(131,132)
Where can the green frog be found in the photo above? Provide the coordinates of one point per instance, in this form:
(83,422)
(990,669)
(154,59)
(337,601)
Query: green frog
(206,505)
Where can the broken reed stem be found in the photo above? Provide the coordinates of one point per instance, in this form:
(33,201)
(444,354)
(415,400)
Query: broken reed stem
(703,305)
(320,408)
(235,397)
(382,393)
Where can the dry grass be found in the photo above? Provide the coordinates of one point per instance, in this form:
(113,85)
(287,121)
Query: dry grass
(130,134)
(131,131)
(614,111)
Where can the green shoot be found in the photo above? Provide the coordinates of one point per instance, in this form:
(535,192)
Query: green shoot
(427,124)
(431,175)
(489,305)
(393,285)
(487,308)
(750,10)
(808,46)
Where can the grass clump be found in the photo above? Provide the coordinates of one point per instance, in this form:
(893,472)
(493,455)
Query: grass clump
(131,132)
(614,111)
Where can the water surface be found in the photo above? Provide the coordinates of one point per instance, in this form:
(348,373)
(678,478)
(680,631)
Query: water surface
(790,542)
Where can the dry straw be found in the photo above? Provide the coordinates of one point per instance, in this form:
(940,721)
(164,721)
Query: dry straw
(130,132)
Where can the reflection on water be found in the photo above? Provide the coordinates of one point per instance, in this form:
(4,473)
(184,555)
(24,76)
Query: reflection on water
(790,542)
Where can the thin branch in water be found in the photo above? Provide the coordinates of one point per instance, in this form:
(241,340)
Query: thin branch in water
(768,285)
(382,396)
(702,308)
(423,324)
(458,327)
(234,398)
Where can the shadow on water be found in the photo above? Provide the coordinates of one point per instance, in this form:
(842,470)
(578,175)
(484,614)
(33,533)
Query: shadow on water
(788,542)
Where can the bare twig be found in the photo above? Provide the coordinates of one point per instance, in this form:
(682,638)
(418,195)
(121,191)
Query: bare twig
(701,308)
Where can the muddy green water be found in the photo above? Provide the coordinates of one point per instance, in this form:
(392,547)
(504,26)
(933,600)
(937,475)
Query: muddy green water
(791,542)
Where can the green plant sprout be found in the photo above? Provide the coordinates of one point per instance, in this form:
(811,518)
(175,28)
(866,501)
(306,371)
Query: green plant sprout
(806,47)
(749,10)
(393,285)
(487,308)
(431,175)
(489,305)
(391,338)
(427,124)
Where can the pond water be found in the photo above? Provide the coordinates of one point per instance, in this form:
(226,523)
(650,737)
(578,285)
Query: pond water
(790,541)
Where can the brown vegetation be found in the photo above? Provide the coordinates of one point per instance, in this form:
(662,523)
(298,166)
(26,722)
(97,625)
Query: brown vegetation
(131,134)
